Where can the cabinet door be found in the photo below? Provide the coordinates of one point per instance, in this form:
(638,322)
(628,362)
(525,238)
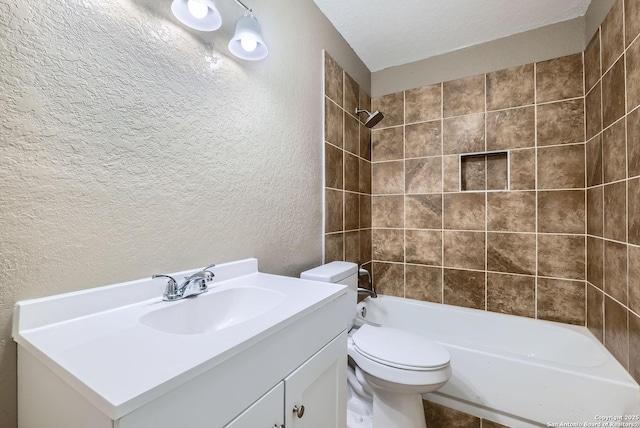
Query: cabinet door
(264,413)
(316,393)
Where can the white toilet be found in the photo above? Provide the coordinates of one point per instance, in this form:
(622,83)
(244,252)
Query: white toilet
(395,366)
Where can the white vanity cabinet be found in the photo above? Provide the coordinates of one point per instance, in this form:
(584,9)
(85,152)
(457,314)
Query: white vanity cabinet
(85,360)
(313,396)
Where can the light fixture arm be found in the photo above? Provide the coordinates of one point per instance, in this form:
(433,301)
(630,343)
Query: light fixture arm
(247,8)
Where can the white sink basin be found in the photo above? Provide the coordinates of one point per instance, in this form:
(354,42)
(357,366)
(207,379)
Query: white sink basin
(212,311)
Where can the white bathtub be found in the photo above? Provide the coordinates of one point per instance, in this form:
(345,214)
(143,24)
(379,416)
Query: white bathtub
(518,371)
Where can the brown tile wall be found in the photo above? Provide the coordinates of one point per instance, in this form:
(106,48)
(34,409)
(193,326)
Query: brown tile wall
(563,244)
(347,150)
(612,70)
(520,251)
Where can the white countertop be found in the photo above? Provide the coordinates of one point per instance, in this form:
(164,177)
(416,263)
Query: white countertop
(102,350)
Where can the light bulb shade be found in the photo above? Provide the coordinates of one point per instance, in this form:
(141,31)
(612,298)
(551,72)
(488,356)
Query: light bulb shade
(248,29)
(210,22)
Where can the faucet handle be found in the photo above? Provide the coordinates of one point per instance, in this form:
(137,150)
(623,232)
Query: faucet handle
(208,275)
(172,285)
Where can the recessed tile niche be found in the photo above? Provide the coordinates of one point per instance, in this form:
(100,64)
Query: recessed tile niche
(484,171)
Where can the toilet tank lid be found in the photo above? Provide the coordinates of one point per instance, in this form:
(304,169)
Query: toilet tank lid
(331,272)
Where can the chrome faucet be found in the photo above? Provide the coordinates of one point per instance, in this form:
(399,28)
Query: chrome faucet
(192,285)
(365,291)
(370,293)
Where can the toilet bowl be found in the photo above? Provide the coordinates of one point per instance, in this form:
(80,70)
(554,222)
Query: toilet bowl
(395,366)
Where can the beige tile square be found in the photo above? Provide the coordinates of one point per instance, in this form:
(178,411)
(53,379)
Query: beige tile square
(561,167)
(634,346)
(334,205)
(387,178)
(388,245)
(423,283)
(561,123)
(333,123)
(423,139)
(423,247)
(512,87)
(387,211)
(351,134)
(334,247)
(594,161)
(631,20)
(365,245)
(595,262)
(523,169)
(593,111)
(333,80)
(561,256)
(351,94)
(511,253)
(392,106)
(615,270)
(351,172)
(333,167)
(423,211)
(615,213)
(423,104)
(450,173)
(562,301)
(613,90)
(634,211)
(464,211)
(511,129)
(463,288)
(633,78)
(364,172)
(511,211)
(423,175)
(352,247)
(616,332)
(351,211)
(634,278)
(387,144)
(365,211)
(511,294)
(595,312)
(592,70)
(465,250)
(464,134)
(614,153)
(559,78)
(441,416)
(612,35)
(633,143)
(463,96)
(388,279)
(561,211)
(595,211)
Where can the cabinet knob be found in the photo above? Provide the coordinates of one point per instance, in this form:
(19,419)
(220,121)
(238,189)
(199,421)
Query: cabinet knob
(299,411)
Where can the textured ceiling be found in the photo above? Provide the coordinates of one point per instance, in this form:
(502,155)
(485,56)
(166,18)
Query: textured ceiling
(388,33)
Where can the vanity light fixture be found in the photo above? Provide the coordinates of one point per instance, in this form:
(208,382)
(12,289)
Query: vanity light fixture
(247,42)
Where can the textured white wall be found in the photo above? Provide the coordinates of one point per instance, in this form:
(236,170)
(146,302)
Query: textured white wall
(130,145)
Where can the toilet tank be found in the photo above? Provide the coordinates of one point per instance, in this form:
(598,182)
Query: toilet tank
(345,273)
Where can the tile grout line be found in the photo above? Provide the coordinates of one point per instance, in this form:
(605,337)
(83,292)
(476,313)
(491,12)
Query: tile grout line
(535,166)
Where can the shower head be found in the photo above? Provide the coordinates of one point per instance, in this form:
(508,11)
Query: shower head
(373,118)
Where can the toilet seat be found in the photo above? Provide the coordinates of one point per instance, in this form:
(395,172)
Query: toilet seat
(399,349)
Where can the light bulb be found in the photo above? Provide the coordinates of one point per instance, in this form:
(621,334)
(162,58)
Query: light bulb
(197,9)
(248,44)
